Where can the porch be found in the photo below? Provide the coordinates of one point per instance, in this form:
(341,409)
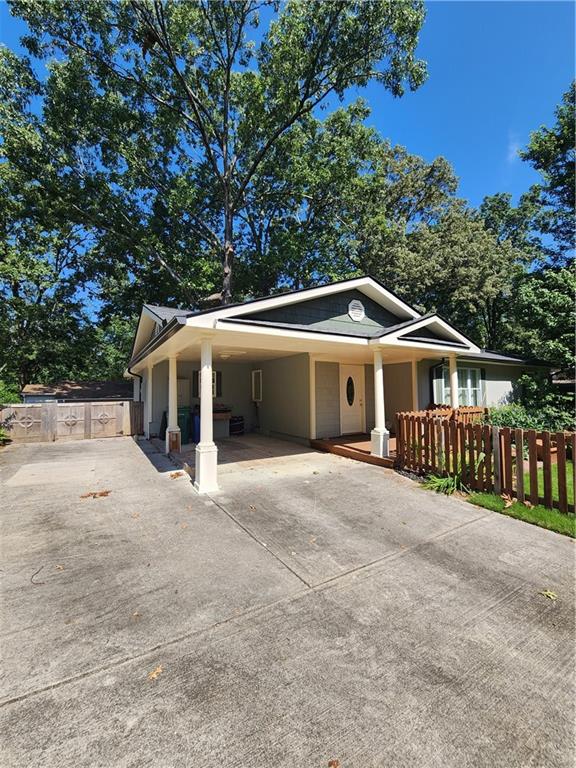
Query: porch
(358,447)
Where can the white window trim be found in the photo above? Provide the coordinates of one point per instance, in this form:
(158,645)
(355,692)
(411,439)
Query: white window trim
(442,386)
(213,384)
(256,373)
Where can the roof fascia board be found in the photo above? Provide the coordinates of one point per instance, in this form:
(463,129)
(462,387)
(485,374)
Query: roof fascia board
(422,346)
(489,361)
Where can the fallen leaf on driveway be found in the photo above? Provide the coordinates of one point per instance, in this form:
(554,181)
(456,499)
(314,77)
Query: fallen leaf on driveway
(508,501)
(59,567)
(135,515)
(155,673)
(174,475)
(333,763)
(95,494)
(136,615)
(549,594)
(183,525)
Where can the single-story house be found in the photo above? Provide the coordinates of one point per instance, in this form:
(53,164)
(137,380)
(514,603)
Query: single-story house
(78,392)
(339,359)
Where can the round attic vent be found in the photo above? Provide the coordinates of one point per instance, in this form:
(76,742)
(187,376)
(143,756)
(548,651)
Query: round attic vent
(356,310)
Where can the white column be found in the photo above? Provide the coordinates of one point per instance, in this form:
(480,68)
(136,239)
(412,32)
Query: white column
(415,385)
(380,434)
(149,393)
(453,382)
(312,377)
(173,430)
(206,452)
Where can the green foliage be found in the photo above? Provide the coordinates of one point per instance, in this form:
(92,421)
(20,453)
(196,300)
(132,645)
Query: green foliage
(449,484)
(545,315)
(515,416)
(538,405)
(552,152)
(551,519)
(540,397)
(164,114)
(9,393)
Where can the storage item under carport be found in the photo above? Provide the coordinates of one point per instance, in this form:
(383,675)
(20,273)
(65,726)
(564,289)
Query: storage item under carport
(236,425)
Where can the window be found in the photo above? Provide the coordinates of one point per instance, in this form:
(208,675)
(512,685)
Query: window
(470,386)
(216,384)
(257,386)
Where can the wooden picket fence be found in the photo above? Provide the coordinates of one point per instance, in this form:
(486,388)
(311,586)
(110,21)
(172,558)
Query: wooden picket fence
(466,414)
(493,459)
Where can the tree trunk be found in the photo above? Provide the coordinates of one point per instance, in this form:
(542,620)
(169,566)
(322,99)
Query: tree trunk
(228,255)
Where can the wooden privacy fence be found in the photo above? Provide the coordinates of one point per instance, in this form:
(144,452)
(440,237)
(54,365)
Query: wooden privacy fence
(525,464)
(46,422)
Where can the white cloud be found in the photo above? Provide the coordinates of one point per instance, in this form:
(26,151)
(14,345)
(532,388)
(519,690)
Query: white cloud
(513,147)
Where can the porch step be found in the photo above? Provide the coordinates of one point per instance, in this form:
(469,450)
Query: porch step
(352,450)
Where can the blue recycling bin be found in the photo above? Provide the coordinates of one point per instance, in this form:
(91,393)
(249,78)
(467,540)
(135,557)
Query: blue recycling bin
(196,428)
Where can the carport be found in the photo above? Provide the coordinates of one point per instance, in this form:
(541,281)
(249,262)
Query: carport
(304,366)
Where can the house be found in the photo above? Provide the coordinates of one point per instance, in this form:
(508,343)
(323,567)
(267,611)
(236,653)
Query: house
(78,392)
(339,359)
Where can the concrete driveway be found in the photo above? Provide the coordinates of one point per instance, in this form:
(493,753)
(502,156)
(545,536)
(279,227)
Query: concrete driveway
(315,610)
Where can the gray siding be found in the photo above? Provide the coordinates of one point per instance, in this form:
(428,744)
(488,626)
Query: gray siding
(327,399)
(330,313)
(285,407)
(498,385)
(397,391)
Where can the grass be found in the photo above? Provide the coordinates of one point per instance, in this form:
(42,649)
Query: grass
(569,482)
(551,519)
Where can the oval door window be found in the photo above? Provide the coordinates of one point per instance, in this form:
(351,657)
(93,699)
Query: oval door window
(350,391)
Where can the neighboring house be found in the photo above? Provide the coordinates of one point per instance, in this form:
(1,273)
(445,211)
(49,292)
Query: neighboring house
(78,392)
(321,362)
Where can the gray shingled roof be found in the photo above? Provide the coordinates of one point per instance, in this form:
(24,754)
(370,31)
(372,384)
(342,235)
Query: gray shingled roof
(167,313)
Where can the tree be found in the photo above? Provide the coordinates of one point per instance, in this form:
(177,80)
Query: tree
(177,105)
(552,152)
(545,316)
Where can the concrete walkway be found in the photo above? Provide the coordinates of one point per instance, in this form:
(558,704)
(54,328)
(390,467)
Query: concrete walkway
(315,610)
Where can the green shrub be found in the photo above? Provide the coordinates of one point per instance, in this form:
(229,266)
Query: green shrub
(536,404)
(8,393)
(514,415)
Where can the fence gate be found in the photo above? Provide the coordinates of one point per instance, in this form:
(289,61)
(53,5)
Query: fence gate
(46,422)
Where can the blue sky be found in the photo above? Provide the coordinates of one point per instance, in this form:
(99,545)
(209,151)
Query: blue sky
(496,72)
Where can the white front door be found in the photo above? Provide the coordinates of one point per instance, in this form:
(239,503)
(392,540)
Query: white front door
(351,399)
